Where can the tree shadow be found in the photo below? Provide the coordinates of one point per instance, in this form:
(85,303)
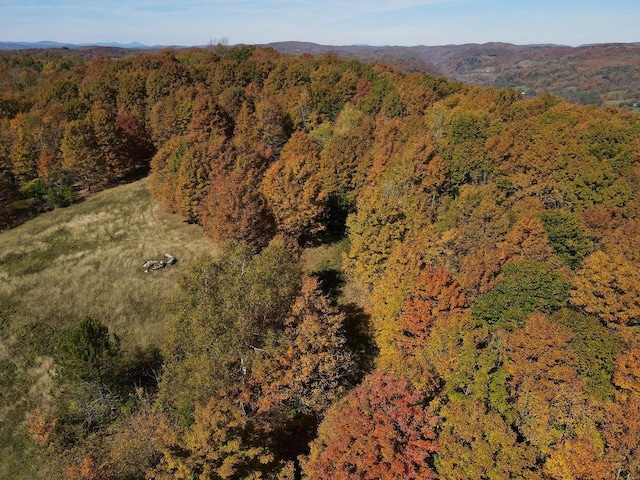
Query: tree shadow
(141,370)
(357,324)
(337,210)
(331,281)
(360,340)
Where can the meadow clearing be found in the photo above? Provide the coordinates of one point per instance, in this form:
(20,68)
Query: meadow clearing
(64,265)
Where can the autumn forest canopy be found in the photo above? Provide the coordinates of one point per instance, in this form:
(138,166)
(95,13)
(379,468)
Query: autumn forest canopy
(489,243)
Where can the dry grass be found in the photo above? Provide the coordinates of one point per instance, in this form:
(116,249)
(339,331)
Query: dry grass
(85,260)
(325,261)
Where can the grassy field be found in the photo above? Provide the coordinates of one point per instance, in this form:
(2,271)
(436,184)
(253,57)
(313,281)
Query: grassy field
(85,260)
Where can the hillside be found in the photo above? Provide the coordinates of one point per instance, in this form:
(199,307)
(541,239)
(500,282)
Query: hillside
(600,74)
(417,277)
(587,74)
(85,260)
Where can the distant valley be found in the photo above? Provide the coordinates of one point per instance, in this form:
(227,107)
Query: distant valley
(601,74)
(588,74)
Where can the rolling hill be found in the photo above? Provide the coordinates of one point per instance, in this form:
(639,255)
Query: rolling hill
(601,73)
(70,263)
(586,74)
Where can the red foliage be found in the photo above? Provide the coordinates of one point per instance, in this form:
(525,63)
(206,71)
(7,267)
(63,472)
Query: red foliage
(381,430)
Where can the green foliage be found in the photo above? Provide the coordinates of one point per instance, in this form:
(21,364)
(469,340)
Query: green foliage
(242,53)
(61,196)
(611,141)
(48,196)
(526,287)
(567,236)
(64,91)
(467,127)
(596,347)
(324,92)
(88,353)
(464,153)
(224,311)
(87,399)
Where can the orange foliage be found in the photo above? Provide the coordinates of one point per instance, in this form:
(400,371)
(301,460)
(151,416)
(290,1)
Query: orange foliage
(627,372)
(214,446)
(580,458)
(526,240)
(293,189)
(435,297)
(621,431)
(87,469)
(135,443)
(380,430)
(312,369)
(546,390)
(608,285)
(40,428)
(234,209)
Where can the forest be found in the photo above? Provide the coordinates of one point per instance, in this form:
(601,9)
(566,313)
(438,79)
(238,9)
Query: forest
(595,74)
(479,317)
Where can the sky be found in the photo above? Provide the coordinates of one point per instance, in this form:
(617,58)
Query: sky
(329,22)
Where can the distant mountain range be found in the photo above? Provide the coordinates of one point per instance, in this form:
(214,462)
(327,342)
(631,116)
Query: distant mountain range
(47,44)
(598,73)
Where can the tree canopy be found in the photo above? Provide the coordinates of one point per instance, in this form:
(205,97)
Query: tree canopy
(480,253)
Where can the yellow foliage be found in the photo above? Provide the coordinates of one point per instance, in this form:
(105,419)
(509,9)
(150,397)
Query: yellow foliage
(608,285)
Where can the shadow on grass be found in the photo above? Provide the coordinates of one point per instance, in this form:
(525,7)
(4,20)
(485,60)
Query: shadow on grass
(357,324)
(360,340)
(331,281)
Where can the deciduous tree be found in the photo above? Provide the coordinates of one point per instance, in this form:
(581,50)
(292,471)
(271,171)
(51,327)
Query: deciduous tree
(608,286)
(526,287)
(313,367)
(293,189)
(608,283)
(477,442)
(218,444)
(380,430)
(566,236)
(622,428)
(235,209)
(434,297)
(545,388)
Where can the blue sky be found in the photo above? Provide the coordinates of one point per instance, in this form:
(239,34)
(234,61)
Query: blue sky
(333,22)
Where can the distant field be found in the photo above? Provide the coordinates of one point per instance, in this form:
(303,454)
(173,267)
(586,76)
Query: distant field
(85,260)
